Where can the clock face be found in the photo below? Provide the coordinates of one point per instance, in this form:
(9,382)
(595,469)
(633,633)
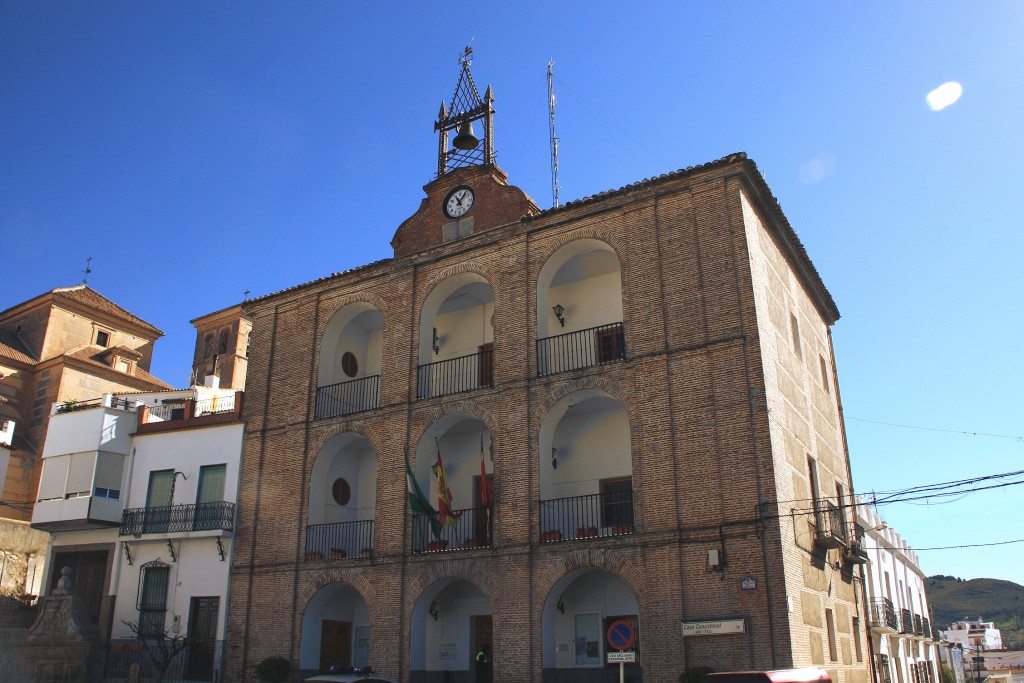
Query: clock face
(459,202)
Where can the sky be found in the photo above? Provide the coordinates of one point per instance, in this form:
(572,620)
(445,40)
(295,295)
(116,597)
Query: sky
(196,150)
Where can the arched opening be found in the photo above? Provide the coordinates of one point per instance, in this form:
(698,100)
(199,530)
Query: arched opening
(579,308)
(348,373)
(454,471)
(456,347)
(451,622)
(586,469)
(335,630)
(342,499)
(577,615)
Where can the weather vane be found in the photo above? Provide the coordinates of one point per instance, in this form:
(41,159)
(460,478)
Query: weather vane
(88,269)
(467,55)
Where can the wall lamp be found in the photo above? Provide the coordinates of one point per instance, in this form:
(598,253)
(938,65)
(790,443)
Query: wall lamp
(561,604)
(559,309)
(554,458)
(433,609)
(436,343)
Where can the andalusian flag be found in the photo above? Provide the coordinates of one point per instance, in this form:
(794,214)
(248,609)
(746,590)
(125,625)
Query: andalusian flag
(418,501)
(444,494)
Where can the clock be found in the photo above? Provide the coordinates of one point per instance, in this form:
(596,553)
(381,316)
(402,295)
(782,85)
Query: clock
(458,202)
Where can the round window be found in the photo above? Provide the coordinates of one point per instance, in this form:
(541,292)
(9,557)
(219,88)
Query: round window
(341,491)
(349,364)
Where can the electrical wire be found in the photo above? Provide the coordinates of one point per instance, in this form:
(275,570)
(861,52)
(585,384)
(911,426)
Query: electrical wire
(964,432)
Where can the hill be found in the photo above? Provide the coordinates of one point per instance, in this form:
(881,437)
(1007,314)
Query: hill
(1001,602)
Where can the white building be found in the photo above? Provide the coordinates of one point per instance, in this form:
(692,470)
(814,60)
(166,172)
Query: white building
(139,492)
(971,635)
(902,637)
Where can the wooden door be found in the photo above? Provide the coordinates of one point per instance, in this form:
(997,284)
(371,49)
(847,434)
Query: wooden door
(202,632)
(486,369)
(482,634)
(88,578)
(335,644)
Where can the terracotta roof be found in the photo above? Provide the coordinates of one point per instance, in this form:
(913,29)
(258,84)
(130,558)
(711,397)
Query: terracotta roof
(88,354)
(315,282)
(83,295)
(12,348)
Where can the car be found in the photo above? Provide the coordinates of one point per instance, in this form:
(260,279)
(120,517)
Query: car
(337,674)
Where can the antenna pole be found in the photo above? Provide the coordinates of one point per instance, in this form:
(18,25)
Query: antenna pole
(554,138)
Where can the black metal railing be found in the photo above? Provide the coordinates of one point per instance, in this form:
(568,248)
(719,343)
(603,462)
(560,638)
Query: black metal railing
(581,349)
(590,516)
(829,530)
(906,622)
(73,406)
(918,625)
(199,661)
(883,615)
(18,612)
(353,396)
(926,628)
(469,528)
(178,519)
(454,375)
(339,540)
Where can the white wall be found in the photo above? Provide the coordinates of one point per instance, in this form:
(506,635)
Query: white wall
(92,429)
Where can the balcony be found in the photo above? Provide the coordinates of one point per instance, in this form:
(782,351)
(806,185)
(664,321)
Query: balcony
(906,622)
(339,540)
(829,530)
(190,413)
(918,627)
(456,375)
(883,616)
(926,626)
(469,528)
(102,402)
(581,349)
(591,516)
(345,398)
(179,519)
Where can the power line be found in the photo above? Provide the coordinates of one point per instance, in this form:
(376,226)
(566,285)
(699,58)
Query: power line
(964,432)
(972,545)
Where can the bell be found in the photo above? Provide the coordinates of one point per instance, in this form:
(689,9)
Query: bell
(465,139)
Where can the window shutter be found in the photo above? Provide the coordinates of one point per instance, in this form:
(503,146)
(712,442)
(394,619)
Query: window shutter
(80,473)
(51,481)
(109,468)
(211,483)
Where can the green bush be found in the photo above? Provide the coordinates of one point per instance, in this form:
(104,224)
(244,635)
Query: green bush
(273,670)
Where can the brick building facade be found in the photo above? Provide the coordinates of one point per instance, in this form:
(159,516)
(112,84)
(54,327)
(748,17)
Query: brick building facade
(629,403)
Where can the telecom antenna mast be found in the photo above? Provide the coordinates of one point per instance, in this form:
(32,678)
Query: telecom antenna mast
(554,138)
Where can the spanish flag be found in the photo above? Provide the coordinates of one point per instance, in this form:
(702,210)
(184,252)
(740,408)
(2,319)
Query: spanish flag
(444,494)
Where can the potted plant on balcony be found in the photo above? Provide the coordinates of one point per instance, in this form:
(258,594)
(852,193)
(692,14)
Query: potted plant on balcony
(338,554)
(551,536)
(437,546)
(620,529)
(314,556)
(586,532)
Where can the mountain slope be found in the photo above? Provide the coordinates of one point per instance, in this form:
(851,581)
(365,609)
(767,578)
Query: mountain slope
(993,600)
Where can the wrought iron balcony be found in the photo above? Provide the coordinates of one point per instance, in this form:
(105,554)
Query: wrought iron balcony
(829,530)
(174,519)
(906,622)
(469,528)
(884,675)
(339,540)
(455,375)
(581,349)
(926,627)
(590,516)
(918,626)
(353,396)
(883,616)
(74,406)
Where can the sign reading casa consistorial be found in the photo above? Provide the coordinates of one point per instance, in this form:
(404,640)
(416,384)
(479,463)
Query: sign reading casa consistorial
(722,627)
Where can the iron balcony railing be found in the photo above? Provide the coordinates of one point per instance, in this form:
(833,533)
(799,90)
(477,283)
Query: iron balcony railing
(883,615)
(926,628)
(918,625)
(454,375)
(829,531)
(178,519)
(353,396)
(884,675)
(581,349)
(906,622)
(206,406)
(469,528)
(73,406)
(590,516)
(339,540)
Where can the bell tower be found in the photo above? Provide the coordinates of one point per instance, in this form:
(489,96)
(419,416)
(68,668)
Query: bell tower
(466,107)
(470,194)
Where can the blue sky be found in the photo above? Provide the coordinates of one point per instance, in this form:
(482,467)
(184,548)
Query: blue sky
(196,150)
